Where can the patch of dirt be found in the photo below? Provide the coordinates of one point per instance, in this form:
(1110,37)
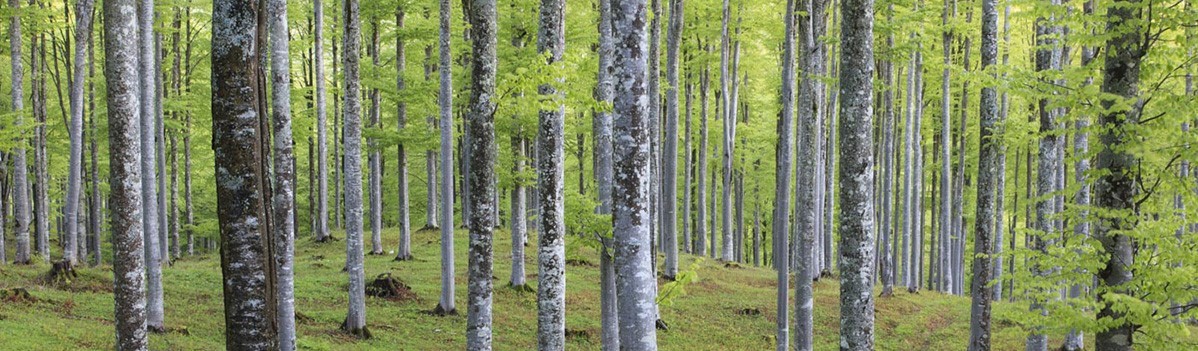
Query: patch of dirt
(388,287)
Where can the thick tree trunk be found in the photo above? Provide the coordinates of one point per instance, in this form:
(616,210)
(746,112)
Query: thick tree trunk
(355,320)
(121,67)
(445,99)
(481,179)
(284,176)
(857,227)
(246,250)
(988,176)
(1115,190)
(635,281)
(805,198)
(551,257)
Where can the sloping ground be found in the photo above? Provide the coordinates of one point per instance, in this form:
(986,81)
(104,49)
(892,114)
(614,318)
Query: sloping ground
(717,313)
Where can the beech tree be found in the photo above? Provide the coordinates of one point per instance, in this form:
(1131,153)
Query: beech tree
(856,144)
(480,119)
(355,320)
(445,99)
(247,267)
(984,226)
(551,257)
(282,205)
(121,57)
(150,210)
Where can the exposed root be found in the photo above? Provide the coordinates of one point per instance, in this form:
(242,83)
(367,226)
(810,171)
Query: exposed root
(327,239)
(401,258)
(441,312)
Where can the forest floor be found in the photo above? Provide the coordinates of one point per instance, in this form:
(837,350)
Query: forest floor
(730,307)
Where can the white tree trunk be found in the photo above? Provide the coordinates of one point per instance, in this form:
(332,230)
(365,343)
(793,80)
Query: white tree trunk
(551,256)
(669,176)
(148,171)
(355,320)
(781,219)
(446,305)
(284,176)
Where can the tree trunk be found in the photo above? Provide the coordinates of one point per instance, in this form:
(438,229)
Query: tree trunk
(83,30)
(284,176)
(404,251)
(375,157)
(148,171)
(988,176)
(246,251)
(121,67)
(805,198)
(857,228)
(160,154)
(446,305)
(1115,191)
(782,178)
(481,179)
(946,189)
(609,312)
(635,282)
(322,188)
(96,199)
(669,194)
(701,197)
(1047,58)
(728,107)
(551,287)
(355,320)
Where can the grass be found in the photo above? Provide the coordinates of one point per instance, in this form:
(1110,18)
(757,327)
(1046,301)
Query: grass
(78,316)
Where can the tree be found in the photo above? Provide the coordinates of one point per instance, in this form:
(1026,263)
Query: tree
(375,157)
(322,190)
(551,276)
(481,179)
(284,176)
(604,93)
(946,190)
(355,320)
(121,66)
(701,184)
(670,165)
(1116,189)
(404,251)
(247,266)
(806,218)
(148,171)
(984,225)
(1048,58)
(782,177)
(20,168)
(83,24)
(856,144)
(728,106)
(635,285)
(446,305)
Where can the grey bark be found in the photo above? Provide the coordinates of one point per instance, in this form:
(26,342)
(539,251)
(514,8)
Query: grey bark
(374,158)
(355,320)
(604,92)
(805,199)
(96,197)
(669,192)
(284,176)
(83,26)
(160,154)
(1000,187)
(518,222)
(148,172)
(322,190)
(120,70)
(887,153)
(19,177)
(431,218)
(551,256)
(1075,339)
(946,189)
(1047,58)
(1116,189)
(988,175)
(701,185)
(635,281)
(446,305)
(857,227)
(781,220)
(404,251)
(246,264)
(727,101)
(481,178)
